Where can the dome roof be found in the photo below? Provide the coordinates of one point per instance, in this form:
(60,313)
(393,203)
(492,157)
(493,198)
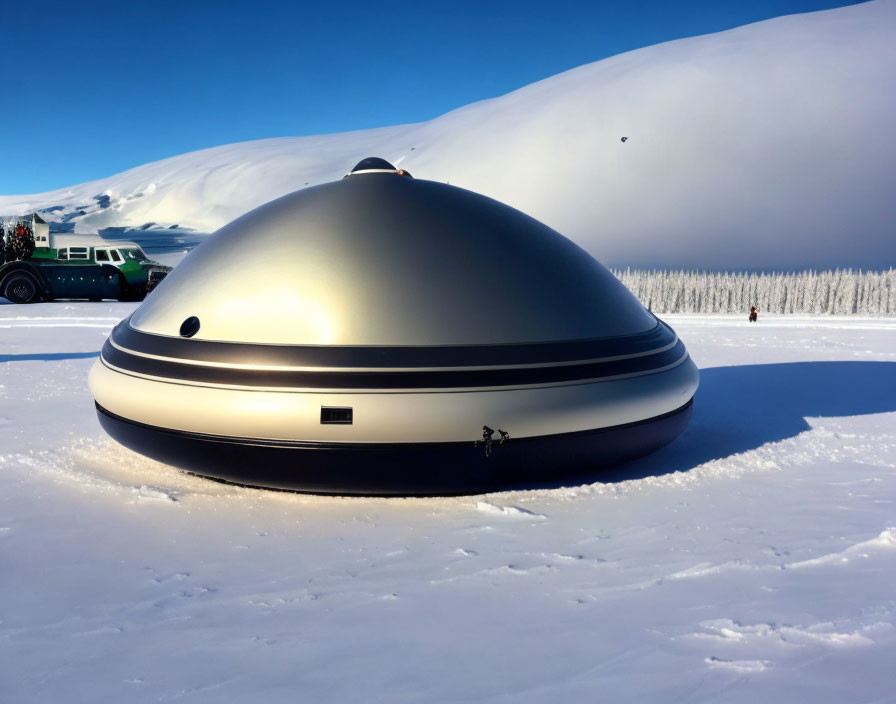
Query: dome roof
(382,259)
(371,163)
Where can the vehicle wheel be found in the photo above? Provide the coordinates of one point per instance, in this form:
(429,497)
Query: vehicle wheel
(128,293)
(20,288)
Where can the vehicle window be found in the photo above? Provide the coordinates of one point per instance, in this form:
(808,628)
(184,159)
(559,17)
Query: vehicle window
(116,257)
(77,252)
(102,255)
(136,255)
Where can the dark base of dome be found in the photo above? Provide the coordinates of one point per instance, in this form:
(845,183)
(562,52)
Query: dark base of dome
(406,469)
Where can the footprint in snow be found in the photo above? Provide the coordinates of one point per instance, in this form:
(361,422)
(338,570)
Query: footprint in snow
(737,665)
(151,493)
(513,512)
(466,553)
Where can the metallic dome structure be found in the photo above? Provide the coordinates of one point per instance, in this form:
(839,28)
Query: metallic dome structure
(389,335)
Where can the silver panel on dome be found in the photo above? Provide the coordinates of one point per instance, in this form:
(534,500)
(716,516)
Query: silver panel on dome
(383,259)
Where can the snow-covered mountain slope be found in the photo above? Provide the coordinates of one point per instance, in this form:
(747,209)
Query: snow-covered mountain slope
(767,146)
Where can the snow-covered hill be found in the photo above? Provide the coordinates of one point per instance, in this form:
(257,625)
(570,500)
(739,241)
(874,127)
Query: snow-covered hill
(767,146)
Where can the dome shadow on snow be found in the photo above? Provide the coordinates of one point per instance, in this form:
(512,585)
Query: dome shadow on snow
(741,408)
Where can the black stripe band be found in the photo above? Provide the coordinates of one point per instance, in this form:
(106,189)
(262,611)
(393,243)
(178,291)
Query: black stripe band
(240,353)
(422,379)
(408,468)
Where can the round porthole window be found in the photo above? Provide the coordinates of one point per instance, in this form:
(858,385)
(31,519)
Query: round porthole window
(189,327)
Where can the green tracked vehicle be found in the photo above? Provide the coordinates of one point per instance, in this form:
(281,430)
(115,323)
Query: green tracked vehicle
(77,266)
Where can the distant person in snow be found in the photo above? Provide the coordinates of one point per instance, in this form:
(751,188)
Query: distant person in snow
(754,314)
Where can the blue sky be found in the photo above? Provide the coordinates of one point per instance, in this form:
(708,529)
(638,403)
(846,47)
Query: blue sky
(91,89)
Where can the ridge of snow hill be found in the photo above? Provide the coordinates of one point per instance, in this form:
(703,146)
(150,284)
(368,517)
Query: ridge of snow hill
(765,146)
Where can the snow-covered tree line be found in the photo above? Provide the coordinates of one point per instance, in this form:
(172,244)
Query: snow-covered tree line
(838,292)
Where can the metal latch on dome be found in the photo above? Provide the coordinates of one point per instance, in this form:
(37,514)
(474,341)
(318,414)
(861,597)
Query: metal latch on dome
(487,434)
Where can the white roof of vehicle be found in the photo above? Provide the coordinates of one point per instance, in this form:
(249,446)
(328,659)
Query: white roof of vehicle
(60,241)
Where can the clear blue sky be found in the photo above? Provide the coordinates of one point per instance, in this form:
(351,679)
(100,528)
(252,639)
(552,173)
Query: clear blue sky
(91,89)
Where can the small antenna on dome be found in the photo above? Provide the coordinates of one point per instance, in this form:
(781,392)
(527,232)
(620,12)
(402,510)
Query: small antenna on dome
(375,165)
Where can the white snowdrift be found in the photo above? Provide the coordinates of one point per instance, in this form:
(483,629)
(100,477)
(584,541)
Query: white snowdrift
(767,146)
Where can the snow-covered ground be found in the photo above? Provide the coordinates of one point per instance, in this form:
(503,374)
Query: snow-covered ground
(752,560)
(763,147)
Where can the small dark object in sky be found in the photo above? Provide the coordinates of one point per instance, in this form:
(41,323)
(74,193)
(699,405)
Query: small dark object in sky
(624,138)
